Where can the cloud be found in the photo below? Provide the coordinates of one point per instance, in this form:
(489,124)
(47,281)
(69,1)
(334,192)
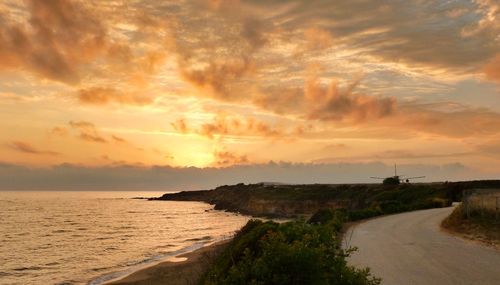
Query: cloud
(82,125)
(87,131)
(383,30)
(119,139)
(25,147)
(335,147)
(463,122)
(58,38)
(333,104)
(59,131)
(273,78)
(394,155)
(488,12)
(492,68)
(163,178)
(319,101)
(217,76)
(318,39)
(73,41)
(253,31)
(223,125)
(252,53)
(92,138)
(226,158)
(11,98)
(490,147)
(180,126)
(105,95)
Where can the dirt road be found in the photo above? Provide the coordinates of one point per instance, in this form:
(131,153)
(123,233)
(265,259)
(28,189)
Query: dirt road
(410,248)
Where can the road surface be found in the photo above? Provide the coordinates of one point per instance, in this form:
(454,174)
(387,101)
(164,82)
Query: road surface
(410,249)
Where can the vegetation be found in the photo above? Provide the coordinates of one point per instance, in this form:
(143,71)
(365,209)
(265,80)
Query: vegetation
(296,252)
(481,225)
(402,199)
(363,200)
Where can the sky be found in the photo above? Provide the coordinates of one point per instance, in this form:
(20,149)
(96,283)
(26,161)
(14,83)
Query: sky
(207,92)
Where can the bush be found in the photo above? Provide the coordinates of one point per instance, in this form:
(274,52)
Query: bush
(364,214)
(289,253)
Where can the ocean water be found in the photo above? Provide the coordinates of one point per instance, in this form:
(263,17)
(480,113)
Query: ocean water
(92,237)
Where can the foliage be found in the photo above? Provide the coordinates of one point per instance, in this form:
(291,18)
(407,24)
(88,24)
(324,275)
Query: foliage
(289,253)
(326,215)
(480,225)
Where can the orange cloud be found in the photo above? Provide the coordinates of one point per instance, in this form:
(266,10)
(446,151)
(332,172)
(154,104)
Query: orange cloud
(216,77)
(490,147)
(59,131)
(318,39)
(92,138)
(465,122)
(60,36)
(226,158)
(104,95)
(119,139)
(492,69)
(87,131)
(68,41)
(224,125)
(180,126)
(332,104)
(25,147)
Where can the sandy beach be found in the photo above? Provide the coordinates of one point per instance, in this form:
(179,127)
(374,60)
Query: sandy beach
(185,272)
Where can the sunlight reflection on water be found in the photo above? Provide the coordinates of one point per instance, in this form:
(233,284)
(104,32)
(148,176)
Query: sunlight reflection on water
(74,237)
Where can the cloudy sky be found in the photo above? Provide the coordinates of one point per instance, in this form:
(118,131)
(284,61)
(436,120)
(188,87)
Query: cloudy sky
(221,86)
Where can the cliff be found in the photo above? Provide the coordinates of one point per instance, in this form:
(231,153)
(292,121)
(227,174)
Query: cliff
(294,200)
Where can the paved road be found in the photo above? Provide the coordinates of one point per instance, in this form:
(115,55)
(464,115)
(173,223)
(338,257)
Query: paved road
(410,249)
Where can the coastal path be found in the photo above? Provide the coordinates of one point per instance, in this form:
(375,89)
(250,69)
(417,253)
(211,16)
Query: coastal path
(411,249)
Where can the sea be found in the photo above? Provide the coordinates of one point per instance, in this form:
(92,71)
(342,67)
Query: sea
(91,237)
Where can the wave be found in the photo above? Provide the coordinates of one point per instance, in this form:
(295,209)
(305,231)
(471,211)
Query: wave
(136,265)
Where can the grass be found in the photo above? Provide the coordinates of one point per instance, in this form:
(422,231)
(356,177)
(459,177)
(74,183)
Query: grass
(481,226)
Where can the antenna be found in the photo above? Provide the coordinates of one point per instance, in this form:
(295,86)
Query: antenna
(395,170)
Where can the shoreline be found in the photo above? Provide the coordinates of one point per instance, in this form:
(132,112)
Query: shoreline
(188,270)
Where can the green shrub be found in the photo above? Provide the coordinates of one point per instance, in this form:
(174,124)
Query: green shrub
(364,214)
(290,253)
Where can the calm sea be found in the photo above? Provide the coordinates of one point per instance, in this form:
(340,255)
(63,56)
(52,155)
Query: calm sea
(91,237)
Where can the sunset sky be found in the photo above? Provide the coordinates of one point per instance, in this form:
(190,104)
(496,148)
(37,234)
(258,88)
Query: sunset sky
(106,85)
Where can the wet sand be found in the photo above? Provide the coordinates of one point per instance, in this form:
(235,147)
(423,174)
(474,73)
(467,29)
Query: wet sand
(185,272)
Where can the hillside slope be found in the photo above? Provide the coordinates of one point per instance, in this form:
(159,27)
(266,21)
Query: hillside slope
(363,200)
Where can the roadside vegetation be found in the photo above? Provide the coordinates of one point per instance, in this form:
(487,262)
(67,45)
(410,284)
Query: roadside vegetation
(296,252)
(477,219)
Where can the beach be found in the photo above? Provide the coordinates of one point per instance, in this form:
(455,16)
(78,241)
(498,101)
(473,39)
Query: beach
(185,272)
